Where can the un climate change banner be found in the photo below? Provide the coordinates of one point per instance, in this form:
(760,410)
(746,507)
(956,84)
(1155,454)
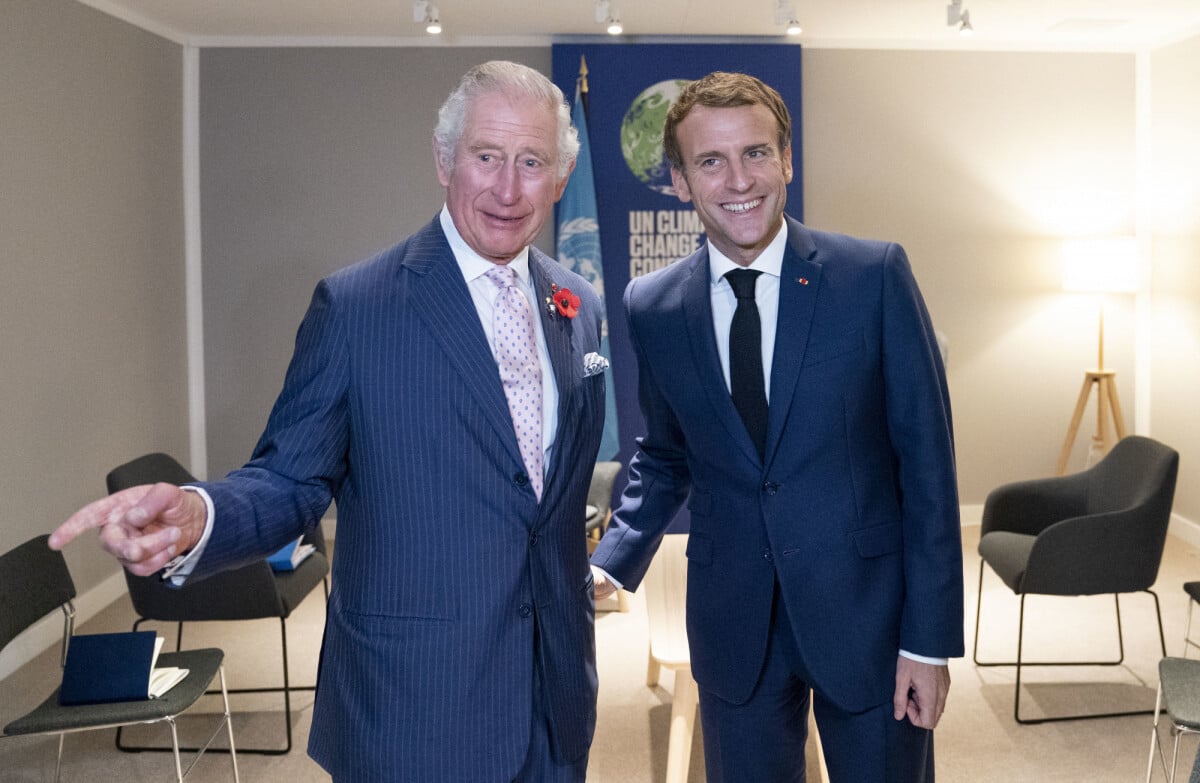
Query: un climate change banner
(643,225)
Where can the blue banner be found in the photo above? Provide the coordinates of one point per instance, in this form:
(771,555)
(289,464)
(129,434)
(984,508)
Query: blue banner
(578,249)
(643,226)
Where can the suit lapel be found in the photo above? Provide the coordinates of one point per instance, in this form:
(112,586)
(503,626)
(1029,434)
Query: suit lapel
(698,317)
(440,296)
(799,282)
(558,331)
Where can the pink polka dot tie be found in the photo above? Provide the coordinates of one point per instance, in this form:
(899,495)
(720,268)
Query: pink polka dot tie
(520,368)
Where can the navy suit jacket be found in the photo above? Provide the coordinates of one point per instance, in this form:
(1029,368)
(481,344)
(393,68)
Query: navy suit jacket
(449,576)
(855,506)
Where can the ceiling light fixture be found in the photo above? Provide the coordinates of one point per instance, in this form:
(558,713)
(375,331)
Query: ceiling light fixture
(614,25)
(785,16)
(427,14)
(957,15)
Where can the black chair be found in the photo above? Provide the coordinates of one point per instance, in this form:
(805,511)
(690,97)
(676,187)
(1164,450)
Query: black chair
(1179,695)
(1193,592)
(1095,532)
(34,582)
(251,592)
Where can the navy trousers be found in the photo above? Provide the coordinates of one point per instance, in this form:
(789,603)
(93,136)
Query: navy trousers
(763,739)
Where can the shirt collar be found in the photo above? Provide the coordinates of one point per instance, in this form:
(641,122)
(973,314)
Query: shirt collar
(769,261)
(471,263)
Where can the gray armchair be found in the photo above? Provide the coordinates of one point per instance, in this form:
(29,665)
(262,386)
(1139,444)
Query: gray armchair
(1095,532)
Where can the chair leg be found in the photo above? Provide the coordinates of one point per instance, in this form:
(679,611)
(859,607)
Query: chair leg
(1154,743)
(653,668)
(286,690)
(1019,662)
(58,762)
(1187,630)
(683,726)
(175,748)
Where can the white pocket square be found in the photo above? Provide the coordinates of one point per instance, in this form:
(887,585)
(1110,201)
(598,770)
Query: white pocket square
(594,364)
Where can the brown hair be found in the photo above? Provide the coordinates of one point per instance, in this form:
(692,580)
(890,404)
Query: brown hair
(723,90)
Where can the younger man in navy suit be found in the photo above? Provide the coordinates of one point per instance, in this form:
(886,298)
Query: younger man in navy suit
(795,397)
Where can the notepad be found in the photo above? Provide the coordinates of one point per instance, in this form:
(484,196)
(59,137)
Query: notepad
(291,555)
(112,667)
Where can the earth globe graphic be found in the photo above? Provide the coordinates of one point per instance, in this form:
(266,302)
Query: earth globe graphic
(641,135)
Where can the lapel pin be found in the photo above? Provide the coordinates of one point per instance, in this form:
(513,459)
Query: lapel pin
(802,280)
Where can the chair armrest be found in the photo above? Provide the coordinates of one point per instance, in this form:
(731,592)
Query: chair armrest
(1113,552)
(1029,507)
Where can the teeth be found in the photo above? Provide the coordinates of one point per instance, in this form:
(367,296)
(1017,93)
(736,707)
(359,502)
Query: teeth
(744,207)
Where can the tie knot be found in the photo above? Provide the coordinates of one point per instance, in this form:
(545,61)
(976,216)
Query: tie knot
(742,281)
(502,276)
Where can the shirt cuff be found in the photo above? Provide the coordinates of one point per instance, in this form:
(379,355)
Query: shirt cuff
(925,658)
(598,570)
(181,566)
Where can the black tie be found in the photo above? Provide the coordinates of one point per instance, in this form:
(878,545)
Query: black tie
(745,358)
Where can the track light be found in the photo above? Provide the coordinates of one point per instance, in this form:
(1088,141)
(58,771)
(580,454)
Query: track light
(957,15)
(427,14)
(785,16)
(614,25)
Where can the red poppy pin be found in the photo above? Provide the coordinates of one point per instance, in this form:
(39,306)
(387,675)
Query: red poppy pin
(562,301)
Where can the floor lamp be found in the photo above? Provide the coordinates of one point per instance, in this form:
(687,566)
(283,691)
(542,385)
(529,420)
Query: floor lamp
(1098,266)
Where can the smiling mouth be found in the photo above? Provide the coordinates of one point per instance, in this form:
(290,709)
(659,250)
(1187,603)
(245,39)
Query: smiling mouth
(743,206)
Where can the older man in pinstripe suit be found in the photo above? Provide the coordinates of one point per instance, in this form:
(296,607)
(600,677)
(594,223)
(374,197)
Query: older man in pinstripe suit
(459,643)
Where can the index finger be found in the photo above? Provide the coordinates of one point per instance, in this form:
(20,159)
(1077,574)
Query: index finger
(96,514)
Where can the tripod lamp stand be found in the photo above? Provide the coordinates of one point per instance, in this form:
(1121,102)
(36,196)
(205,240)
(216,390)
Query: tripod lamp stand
(1098,266)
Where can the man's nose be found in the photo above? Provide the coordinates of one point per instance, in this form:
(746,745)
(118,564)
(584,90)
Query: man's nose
(507,186)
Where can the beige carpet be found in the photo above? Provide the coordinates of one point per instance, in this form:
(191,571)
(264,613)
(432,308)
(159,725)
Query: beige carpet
(977,743)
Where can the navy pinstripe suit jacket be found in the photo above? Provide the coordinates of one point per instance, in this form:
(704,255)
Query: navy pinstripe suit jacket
(449,576)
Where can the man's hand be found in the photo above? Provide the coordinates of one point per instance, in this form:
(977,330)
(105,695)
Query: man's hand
(921,690)
(603,587)
(142,527)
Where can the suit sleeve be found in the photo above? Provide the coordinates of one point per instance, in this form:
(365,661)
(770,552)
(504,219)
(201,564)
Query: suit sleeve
(920,428)
(299,461)
(659,480)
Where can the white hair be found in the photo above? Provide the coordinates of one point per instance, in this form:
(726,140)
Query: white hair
(508,78)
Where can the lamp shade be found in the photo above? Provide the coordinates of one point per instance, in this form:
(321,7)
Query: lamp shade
(1101,266)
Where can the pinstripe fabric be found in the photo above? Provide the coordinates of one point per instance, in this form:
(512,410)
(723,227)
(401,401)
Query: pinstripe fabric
(445,560)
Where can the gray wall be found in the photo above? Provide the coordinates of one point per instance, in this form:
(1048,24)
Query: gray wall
(1176,285)
(91,262)
(312,159)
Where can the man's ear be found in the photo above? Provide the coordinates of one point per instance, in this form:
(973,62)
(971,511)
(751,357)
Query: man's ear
(679,180)
(443,175)
(787,164)
(562,186)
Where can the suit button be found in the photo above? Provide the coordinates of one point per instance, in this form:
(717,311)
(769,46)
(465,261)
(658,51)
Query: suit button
(770,487)
(521,479)
(533,538)
(526,610)
(767,555)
